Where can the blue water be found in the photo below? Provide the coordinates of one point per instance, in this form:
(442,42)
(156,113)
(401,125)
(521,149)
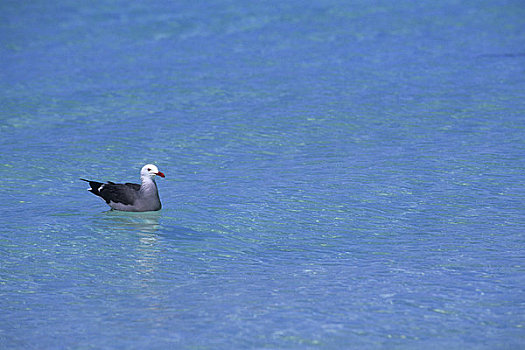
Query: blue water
(339,175)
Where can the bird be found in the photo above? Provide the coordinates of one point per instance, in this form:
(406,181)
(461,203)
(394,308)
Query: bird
(130,196)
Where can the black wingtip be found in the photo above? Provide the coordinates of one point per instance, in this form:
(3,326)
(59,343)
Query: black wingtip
(94,186)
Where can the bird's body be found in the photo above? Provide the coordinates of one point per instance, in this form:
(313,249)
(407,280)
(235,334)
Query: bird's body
(129,196)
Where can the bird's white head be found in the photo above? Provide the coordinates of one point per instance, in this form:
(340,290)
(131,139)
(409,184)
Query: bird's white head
(150,170)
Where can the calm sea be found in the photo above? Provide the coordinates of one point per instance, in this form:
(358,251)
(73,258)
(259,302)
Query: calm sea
(339,174)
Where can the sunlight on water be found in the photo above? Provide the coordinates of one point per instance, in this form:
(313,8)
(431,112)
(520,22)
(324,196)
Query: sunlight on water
(337,175)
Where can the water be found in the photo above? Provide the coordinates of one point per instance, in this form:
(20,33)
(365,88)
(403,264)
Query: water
(338,175)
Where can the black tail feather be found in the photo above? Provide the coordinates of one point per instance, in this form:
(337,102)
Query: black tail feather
(95,186)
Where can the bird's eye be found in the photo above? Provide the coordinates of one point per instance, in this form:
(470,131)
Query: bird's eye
(149,169)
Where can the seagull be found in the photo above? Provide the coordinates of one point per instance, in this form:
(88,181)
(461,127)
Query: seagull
(128,196)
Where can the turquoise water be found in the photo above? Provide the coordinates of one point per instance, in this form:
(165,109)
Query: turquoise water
(338,175)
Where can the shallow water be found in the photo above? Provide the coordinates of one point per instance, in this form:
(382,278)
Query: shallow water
(338,175)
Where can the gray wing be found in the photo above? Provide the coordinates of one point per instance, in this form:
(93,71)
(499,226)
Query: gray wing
(119,193)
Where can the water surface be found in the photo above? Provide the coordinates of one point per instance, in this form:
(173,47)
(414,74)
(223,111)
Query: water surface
(338,175)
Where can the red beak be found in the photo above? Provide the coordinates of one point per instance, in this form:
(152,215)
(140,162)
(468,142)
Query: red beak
(161,174)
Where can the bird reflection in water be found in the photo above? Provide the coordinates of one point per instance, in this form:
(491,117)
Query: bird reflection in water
(143,247)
